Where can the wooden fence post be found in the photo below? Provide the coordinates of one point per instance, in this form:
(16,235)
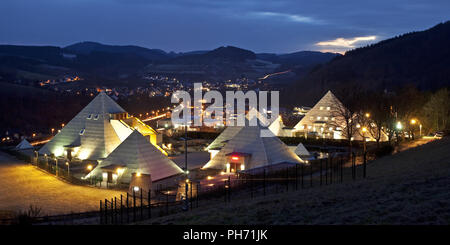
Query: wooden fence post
(303,173)
(167,200)
(142,206)
(365,163)
(128,210)
(192,183)
(121,209)
(149,204)
(264,182)
(251,187)
(115,210)
(112,211)
(320,172)
(134,205)
(198,194)
(287,179)
(101,213)
(353,166)
(229,189)
(331,170)
(225,191)
(106,211)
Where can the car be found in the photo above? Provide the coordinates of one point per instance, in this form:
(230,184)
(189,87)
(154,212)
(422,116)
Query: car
(439,135)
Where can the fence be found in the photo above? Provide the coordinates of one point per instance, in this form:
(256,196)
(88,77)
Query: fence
(139,206)
(136,207)
(52,166)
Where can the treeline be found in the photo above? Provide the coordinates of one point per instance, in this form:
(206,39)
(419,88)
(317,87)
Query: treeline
(26,110)
(406,112)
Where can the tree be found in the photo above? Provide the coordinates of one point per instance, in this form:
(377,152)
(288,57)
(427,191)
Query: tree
(345,110)
(437,110)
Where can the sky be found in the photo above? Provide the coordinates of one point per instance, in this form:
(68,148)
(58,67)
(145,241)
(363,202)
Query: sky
(280,26)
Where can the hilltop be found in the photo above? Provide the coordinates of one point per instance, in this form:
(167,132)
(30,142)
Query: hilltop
(103,64)
(419,58)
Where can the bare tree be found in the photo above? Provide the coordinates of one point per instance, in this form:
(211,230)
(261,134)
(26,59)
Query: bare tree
(346,105)
(379,113)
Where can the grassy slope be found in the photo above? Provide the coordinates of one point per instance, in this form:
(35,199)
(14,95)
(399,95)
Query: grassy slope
(410,187)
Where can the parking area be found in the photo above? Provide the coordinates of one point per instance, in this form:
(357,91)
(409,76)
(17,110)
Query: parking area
(22,185)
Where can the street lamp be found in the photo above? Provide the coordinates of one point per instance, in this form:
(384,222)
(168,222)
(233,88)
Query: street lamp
(56,166)
(413,122)
(399,127)
(367,115)
(68,168)
(364,130)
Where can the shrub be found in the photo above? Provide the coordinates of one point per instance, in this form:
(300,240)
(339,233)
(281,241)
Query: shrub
(384,150)
(27,217)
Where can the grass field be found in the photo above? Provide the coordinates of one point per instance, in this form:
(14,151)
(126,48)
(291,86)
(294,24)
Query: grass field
(410,187)
(22,185)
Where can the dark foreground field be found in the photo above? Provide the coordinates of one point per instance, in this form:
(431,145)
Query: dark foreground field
(411,187)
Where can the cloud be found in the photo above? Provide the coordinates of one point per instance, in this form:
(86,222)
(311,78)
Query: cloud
(340,45)
(286,17)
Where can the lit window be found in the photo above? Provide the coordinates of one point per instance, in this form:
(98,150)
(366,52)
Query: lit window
(318,118)
(82,131)
(311,118)
(89,116)
(325,118)
(328,108)
(332,119)
(321,108)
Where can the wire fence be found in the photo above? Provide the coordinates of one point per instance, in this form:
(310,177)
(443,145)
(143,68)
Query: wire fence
(190,195)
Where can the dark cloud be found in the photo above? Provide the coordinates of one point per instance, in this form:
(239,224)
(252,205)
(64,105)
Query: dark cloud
(183,25)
